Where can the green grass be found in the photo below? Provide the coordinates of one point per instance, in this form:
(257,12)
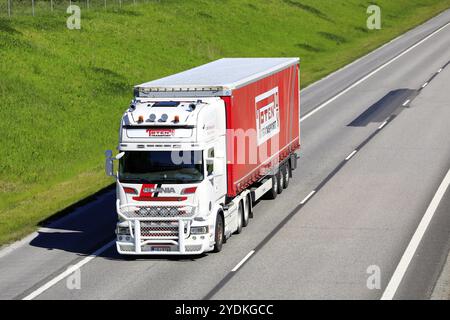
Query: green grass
(62,92)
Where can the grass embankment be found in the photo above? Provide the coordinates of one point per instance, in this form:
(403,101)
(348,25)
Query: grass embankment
(62,92)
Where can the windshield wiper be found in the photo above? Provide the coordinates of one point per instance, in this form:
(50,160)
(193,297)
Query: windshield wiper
(178,181)
(138,180)
(158,180)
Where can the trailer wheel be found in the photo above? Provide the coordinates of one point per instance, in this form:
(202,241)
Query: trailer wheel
(286,172)
(219,233)
(240,218)
(280,179)
(272,193)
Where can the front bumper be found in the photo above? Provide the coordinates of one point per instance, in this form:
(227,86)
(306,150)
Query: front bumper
(183,244)
(160,235)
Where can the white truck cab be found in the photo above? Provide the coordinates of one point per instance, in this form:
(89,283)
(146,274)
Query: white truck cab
(168,209)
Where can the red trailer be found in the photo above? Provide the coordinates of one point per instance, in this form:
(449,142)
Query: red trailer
(268,106)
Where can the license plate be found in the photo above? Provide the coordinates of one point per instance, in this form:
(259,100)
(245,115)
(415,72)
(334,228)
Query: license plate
(160,248)
(160,133)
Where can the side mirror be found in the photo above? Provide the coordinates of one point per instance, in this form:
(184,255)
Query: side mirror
(109,165)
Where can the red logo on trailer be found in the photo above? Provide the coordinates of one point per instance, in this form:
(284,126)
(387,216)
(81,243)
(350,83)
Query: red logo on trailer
(267,115)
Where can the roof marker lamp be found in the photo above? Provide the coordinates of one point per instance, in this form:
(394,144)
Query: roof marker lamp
(164,118)
(176,119)
(141,119)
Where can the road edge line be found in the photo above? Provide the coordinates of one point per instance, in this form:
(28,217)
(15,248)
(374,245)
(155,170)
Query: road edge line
(414,243)
(69,271)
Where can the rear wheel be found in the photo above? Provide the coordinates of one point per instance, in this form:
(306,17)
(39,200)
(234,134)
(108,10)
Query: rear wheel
(219,234)
(280,183)
(286,172)
(272,193)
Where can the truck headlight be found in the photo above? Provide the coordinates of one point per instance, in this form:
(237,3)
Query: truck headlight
(199,230)
(123,231)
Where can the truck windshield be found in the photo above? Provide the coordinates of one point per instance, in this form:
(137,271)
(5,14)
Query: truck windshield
(161,167)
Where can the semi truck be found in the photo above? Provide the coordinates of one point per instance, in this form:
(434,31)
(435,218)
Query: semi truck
(199,148)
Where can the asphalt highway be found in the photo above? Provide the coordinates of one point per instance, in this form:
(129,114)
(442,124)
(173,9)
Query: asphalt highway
(365,215)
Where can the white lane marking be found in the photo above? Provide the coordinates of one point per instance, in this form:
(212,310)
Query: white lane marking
(243,260)
(402,267)
(351,155)
(382,125)
(323,105)
(69,271)
(406,102)
(440,70)
(424,85)
(308,196)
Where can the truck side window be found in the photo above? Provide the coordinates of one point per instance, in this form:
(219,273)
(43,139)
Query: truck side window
(210,163)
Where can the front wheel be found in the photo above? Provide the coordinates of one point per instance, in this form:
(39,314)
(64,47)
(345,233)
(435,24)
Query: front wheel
(219,233)
(247,212)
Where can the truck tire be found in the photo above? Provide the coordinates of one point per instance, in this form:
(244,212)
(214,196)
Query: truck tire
(247,212)
(240,218)
(280,181)
(272,193)
(286,172)
(219,233)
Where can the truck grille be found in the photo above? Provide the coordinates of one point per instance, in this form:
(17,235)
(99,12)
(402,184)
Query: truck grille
(159,212)
(159,229)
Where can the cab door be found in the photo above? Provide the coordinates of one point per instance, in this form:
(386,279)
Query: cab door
(215,169)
